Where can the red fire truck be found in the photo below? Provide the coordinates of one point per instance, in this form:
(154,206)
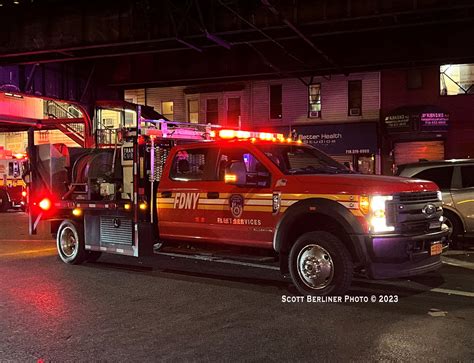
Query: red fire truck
(165,183)
(12,187)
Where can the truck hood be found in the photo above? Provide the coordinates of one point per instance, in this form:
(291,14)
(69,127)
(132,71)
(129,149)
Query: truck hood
(363,184)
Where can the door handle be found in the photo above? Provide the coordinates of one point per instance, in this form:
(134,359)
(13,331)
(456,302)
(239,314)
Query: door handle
(166,194)
(213,195)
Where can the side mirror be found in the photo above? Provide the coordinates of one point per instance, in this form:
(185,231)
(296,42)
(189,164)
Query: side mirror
(236,173)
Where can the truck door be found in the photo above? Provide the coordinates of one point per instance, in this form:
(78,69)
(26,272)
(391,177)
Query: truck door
(183,198)
(246,216)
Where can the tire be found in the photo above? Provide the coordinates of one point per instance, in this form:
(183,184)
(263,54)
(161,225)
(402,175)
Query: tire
(323,252)
(4,201)
(70,242)
(93,256)
(455,236)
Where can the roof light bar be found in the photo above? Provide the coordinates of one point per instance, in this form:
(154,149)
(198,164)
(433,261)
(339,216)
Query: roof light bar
(228,134)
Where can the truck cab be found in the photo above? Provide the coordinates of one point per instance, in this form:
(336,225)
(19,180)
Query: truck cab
(321,219)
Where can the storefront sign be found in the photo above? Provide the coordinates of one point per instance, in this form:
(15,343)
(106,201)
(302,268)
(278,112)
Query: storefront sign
(398,122)
(416,118)
(353,138)
(434,120)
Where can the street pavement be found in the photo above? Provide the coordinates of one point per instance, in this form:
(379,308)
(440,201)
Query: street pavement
(119,309)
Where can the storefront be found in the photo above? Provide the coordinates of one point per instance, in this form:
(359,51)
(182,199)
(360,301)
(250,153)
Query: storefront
(415,133)
(353,144)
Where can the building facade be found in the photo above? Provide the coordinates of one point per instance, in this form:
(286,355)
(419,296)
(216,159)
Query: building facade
(338,114)
(427,113)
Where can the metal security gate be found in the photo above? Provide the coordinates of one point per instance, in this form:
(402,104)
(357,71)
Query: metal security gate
(410,152)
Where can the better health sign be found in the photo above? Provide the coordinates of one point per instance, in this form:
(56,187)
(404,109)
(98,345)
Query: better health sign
(339,139)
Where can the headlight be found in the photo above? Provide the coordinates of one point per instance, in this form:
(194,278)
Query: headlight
(376,213)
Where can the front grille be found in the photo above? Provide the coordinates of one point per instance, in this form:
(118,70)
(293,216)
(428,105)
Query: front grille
(405,212)
(417,197)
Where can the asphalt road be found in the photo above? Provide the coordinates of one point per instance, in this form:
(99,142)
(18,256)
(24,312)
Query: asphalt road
(187,310)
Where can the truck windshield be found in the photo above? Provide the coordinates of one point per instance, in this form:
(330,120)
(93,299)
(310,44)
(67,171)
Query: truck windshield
(302,159)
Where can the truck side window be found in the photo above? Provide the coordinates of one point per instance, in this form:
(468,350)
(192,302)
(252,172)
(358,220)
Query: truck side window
(441,176)
(253,166)
(193,164)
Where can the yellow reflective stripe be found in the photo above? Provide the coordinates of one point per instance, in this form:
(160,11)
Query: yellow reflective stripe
(212,207)
(258,202)
(339,197)
(257,209)
(165,200)
(213,201)
(164,206)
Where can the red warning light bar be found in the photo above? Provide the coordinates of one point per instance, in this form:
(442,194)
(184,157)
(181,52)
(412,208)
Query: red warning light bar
(228,134)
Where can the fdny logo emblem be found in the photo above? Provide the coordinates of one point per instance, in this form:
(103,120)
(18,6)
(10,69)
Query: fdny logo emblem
(236,203)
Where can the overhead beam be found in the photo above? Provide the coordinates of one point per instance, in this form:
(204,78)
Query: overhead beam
(302,36)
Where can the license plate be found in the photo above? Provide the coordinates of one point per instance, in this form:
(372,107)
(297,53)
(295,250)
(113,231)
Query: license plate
(436,249)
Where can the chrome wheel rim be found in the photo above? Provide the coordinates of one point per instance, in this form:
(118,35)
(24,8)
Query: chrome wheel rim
(68,242)
(315,266)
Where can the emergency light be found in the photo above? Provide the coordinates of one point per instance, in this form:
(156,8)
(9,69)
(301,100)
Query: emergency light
(228,134)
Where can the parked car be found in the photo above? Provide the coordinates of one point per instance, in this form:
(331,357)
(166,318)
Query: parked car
(455,178)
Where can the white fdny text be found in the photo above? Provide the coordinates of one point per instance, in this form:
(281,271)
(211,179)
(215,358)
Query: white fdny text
(186,200)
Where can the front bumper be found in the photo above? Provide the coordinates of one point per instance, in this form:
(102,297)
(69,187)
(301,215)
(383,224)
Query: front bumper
(402,256)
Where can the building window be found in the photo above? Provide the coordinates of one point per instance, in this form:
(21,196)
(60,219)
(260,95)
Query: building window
(314,106)
(276,101)
(354,99)
(167,109)
(212,111)
(193,111)
(456,79)
(233,111)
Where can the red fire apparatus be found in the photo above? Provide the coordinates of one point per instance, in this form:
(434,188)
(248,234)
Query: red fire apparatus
(12,187)
(164,183)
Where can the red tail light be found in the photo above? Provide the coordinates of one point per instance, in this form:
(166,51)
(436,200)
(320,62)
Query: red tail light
(23,193)
(45,204)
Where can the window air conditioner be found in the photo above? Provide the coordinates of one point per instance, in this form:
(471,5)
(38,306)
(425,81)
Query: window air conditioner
(108,122)
(354,111)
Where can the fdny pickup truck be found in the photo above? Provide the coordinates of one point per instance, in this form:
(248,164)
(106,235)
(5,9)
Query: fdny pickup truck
(170,183)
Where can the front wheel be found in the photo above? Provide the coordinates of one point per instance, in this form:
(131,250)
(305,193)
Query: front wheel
(70,242)
(320,264)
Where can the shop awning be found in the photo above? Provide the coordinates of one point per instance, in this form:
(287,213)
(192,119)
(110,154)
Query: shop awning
(416,118)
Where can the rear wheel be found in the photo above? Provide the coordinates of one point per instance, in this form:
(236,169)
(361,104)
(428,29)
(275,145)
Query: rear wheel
(4,201)
(70,242)
(320,264)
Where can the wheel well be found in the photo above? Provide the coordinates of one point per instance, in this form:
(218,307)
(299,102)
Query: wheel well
(314,222)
